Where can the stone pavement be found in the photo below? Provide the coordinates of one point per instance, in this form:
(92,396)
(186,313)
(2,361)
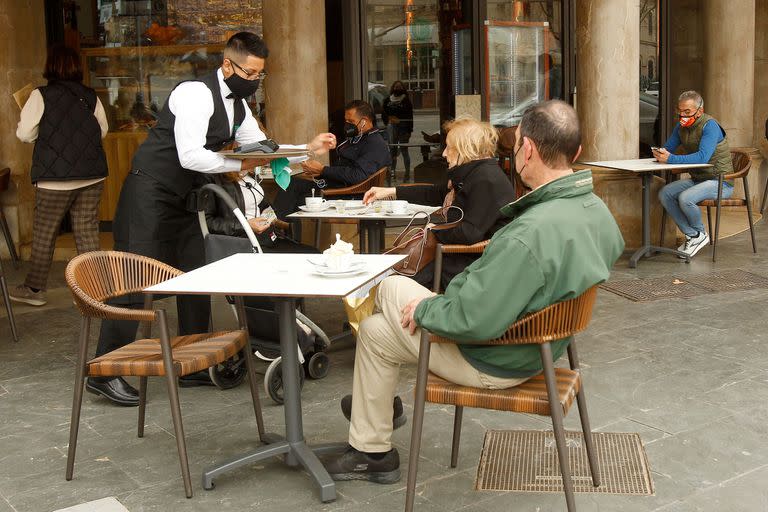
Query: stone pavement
(691,376)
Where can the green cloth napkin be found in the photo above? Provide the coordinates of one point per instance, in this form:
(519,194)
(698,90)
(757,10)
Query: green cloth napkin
(281,172)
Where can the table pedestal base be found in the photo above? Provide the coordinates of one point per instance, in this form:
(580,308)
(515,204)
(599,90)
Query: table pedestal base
(649,250)
(293,447)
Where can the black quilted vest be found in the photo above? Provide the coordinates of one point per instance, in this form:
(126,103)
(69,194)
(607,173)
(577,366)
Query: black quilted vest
(68,145)
(158,156)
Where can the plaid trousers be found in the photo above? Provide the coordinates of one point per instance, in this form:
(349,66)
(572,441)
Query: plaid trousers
(50,208)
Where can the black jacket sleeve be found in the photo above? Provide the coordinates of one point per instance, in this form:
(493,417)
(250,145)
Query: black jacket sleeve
(430,195)
(220,220)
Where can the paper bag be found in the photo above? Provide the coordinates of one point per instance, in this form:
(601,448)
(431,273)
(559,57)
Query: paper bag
(22,95)
(360,303)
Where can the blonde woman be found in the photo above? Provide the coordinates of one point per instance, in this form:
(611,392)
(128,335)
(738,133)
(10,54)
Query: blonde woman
(476,184)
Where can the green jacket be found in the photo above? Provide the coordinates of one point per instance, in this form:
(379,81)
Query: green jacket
(562,240)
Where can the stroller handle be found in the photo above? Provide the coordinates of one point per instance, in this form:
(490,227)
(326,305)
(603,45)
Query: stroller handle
(224,196)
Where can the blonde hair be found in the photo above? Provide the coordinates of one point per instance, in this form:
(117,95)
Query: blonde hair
(471,139)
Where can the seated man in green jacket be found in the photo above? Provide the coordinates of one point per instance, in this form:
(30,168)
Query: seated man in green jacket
(561,241)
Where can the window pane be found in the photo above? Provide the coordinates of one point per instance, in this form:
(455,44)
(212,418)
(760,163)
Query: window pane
(650,114)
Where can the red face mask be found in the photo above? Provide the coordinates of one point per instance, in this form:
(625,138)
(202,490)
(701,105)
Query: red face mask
(687,121)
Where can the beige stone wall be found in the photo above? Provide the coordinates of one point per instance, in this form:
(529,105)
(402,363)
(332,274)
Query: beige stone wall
(761,95)
(22,57)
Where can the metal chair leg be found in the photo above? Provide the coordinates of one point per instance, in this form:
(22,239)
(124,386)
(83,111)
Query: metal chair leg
(8,306)
(765,197)
(709,225)
(556,411)
(77,398)
(581,400)
(717,217)
(9,239)
(749,214)
(418,419)
(457,417)
(438,268)
(173,396)
(142,404)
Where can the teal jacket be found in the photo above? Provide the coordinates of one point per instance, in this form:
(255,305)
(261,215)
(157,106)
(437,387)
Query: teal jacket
(562,241)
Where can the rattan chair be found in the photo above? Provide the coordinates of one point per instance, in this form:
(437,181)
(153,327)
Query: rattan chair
(376,179)
(94,277)
(550,393)
(442,249)
(5,180)
(741,166)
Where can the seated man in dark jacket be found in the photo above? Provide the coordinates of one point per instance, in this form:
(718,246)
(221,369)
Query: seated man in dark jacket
(362,154)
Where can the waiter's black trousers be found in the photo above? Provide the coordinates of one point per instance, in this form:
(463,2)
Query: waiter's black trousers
(152,221)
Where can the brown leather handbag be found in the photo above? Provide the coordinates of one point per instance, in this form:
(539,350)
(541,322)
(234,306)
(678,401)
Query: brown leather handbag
(420,243)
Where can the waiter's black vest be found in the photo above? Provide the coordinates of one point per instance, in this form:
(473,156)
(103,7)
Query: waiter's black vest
(68,145)
(158,156)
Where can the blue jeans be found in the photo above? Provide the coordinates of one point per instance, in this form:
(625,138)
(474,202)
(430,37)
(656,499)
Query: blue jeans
(680,199)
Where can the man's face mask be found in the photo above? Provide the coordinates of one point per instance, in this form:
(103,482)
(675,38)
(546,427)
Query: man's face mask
(687,118)
(352,130)
(242,87)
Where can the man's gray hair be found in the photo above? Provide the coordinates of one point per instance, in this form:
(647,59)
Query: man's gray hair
(692,95)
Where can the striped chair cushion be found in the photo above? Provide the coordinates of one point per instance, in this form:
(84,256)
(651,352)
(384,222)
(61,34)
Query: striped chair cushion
(529,397)
(192,353)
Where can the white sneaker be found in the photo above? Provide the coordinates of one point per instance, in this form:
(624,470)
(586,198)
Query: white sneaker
(684,245)
(695,244)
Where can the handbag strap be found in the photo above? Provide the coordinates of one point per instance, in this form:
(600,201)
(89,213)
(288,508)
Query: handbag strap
(407,228)
(448,225)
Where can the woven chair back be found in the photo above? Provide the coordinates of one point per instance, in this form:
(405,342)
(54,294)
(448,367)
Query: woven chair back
(94,277)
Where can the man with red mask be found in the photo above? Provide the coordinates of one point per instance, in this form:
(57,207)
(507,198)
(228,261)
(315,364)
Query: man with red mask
(702,140)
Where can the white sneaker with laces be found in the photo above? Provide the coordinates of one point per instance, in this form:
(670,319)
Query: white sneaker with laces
(695,244)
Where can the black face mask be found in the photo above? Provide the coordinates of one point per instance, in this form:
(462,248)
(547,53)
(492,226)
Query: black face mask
(351,130)
(240,87)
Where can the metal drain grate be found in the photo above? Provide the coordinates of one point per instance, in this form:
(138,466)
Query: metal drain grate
(729,280)
(671,287)
(526,460)
(641,290)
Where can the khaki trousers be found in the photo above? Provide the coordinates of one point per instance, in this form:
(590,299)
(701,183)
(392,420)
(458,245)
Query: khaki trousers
(382,346)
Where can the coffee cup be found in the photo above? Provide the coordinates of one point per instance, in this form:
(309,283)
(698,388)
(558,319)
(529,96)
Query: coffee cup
(386,206)
(339,262)
(399,207)
(313,203)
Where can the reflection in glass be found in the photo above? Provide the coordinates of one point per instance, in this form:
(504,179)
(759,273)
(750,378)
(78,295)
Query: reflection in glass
(650,113)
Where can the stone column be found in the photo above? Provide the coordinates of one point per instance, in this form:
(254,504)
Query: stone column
(729,66)
(22,58)
(608,86)
(296,87)
(608,98)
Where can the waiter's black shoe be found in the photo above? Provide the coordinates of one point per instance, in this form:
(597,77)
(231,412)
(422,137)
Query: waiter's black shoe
(113,388)
(398,416)
(201,378)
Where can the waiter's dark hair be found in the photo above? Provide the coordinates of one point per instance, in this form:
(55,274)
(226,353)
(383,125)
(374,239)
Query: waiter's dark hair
(63,63)
(363,109)
(244,44)
(554,127)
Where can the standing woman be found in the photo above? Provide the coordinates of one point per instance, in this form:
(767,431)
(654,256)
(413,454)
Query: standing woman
(66,121)
(398,116)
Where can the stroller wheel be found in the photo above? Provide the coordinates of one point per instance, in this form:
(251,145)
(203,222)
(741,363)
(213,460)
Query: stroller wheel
(273,380)
(229,373)
(318,365)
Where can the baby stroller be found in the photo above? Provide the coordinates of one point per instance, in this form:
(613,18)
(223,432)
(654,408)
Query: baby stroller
(261,317)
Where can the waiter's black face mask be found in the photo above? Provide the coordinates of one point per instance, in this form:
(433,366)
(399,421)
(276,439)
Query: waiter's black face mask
(241,87)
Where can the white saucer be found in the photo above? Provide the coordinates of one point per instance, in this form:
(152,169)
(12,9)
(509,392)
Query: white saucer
(354,204)
(354,269)
(320,265)
(314,209)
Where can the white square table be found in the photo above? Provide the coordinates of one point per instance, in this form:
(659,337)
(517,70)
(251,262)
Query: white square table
(374,223)
(284,277)
(645,167)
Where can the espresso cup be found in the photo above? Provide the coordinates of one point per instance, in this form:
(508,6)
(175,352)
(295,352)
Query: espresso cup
(399,207)
(313,201)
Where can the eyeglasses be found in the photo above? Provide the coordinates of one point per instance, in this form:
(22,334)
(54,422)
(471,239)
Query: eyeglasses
(687,112)
(252,75)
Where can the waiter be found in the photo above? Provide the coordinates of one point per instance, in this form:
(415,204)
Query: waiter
(156,213)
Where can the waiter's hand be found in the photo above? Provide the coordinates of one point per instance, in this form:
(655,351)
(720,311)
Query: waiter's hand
(322,143)
(407,321)
(312,167)
(259,224)
(661,154)
(250,163)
